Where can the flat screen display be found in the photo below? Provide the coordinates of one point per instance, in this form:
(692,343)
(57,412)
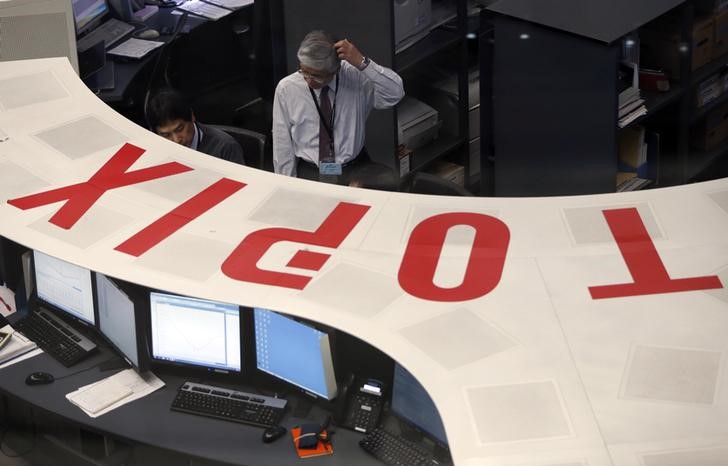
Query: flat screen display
(117,319)
(87,13)
(411,403)
(196,332)
(65,286)
(294,352)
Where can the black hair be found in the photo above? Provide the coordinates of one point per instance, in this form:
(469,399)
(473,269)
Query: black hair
(167,105)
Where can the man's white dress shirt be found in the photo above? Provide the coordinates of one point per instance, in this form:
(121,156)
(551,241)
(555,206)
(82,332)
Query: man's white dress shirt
(296,120)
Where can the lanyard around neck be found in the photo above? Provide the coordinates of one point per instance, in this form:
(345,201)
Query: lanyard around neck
(330,126)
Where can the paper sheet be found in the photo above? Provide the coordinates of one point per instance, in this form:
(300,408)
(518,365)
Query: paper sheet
(18,345)
(138,385)
(7,301)
(205,10)
(231,4)
(23,357)
(135,48)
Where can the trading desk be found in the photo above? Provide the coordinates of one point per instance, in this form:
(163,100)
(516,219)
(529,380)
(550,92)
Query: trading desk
(150,421)
(132,77)
(579,330)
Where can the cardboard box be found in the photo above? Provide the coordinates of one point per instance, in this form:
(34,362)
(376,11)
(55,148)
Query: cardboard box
(661,46)
(720,38)
(702,42)
(713,130)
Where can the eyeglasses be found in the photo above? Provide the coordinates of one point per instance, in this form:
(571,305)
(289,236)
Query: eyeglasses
(315,77)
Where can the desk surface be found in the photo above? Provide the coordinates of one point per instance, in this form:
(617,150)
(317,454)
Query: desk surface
(125,72)
(149,420)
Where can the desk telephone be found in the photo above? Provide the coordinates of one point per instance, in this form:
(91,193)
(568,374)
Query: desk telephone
(360,404)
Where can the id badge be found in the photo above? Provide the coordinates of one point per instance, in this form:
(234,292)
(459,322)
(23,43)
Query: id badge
(330,168)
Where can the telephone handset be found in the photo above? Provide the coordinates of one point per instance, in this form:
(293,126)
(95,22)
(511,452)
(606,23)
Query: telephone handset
(360,404)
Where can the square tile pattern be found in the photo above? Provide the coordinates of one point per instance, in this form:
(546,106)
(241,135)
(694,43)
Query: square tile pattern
(457,338)
(518,412)
(672,374)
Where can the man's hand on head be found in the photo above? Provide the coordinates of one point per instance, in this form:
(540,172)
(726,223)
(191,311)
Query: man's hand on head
(348,51)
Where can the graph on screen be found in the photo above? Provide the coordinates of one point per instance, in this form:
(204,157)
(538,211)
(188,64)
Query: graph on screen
(64,285)
(193,331)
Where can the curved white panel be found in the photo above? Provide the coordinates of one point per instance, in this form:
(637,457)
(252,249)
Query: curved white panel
(578,353)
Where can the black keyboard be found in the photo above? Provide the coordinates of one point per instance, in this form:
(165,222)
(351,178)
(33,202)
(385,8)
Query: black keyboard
(111,32)
(230,405)
(394,450)
(54,338)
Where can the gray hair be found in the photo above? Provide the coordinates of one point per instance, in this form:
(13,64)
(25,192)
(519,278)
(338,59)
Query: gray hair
(317,52)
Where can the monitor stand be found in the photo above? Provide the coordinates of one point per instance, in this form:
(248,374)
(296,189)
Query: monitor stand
(112,364)
(303,407)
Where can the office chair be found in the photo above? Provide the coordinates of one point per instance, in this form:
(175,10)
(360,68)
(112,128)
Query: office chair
(253,144)
(256,114)
(427,183)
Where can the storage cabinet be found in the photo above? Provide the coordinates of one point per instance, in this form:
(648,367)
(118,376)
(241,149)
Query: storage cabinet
(555,96)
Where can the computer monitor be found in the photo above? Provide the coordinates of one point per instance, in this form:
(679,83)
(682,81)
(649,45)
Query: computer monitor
(37,29)
(118,322)
(64,286)
(412,404)
(195,332)
(88,14)
(295,353)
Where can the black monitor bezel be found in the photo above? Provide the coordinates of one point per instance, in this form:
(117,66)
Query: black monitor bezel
(35,301)
(409,423)
(187,368)
(268,379)
(143,359)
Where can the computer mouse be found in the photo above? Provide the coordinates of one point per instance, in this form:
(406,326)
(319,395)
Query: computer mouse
(39,378)
(148,34)
(273,433)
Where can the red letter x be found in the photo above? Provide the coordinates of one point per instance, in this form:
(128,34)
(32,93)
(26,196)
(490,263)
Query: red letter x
(81,196)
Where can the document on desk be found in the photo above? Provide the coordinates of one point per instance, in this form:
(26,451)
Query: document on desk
(206,10)
(7,301)
(17,347)
(108,394)
(231,4)
(135,48)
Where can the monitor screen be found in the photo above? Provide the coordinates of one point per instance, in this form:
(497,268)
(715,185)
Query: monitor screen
(412,404)
(117,321)
(294,352)
(197,332)
(65,286)
(87,13)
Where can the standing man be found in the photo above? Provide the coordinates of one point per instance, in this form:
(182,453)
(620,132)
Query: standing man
(170,116)
(320,112)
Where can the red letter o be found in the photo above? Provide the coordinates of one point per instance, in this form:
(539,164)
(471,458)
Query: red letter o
(485,265)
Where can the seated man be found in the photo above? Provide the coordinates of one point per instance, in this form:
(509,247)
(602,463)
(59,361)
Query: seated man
(170,116)
(320,112)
